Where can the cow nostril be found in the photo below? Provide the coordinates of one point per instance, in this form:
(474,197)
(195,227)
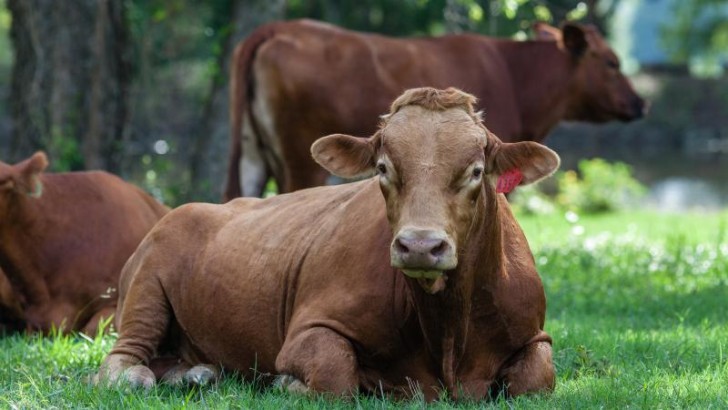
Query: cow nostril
(440,249)
(400,247)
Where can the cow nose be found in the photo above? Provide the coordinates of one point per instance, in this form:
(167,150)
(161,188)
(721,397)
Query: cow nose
(422,249)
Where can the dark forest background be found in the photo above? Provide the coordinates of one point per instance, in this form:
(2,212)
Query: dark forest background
(139,87)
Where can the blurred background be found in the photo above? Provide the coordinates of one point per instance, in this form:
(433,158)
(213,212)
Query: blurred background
(139,87)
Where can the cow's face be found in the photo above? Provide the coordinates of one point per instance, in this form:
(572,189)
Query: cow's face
(22,178)
(600,91)
(433,158)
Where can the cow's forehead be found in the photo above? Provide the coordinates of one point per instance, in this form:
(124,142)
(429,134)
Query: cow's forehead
(415,128)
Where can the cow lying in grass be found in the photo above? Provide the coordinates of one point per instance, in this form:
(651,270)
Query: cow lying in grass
(63,241)
(419,276)
(11,313)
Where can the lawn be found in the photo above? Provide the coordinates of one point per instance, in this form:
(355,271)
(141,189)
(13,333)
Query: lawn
(638,310)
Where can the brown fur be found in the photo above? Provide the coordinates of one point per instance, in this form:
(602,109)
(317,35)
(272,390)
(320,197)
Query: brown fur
(316,300)
(63,240)
(295,81)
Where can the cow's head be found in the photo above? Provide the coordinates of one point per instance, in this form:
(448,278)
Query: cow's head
(600,92)
(22,178)
(436,163)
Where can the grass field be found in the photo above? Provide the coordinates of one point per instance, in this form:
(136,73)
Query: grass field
(638,310)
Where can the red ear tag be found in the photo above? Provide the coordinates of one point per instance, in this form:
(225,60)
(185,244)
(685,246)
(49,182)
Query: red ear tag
(508,180)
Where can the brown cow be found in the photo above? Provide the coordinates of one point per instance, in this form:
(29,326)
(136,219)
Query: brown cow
(11,313)
(419,276)
(64,239)
(292,82)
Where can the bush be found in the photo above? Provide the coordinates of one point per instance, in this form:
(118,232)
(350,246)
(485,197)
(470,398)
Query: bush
(530,200)
(600,186)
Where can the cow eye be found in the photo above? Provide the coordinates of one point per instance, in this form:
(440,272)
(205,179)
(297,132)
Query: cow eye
(612,64)
(477,172)
(381,168)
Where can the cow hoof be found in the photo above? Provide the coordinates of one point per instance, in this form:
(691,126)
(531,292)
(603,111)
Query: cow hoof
(176,375)
(291,384)
(201,375)
(139,376)
(122,369)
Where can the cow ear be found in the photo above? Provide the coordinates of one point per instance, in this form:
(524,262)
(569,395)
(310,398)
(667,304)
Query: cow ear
(544,31)
(345,156)
(574,39)
(529,159)
(30,171)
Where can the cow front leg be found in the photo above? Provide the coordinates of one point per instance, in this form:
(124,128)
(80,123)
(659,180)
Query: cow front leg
(124,368)
(319,360)
(531,370)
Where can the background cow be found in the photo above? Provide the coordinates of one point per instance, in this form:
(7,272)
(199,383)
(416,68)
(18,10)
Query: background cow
(63,241)
(294,81)
(11,313)
(419,276)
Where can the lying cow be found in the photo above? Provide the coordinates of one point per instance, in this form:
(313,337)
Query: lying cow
(419,276)
(292,82)
(11,313)
(64,239)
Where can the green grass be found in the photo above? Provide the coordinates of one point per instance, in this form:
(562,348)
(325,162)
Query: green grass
(638,310)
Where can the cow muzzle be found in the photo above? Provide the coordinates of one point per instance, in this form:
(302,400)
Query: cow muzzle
(424,255)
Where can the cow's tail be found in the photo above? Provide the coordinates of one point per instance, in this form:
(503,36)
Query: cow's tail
(240,97)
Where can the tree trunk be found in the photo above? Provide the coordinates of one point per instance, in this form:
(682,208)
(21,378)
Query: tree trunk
(70,81)
(209,152)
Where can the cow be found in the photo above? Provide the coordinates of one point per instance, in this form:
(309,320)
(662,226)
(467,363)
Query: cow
(64,238)
(11,313)
(416,278)
(292,82)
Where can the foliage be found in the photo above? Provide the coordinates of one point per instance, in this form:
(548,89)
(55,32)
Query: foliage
(635,308)
(706,41)
(530,200)
(65,153)
(600,186)
(434,17)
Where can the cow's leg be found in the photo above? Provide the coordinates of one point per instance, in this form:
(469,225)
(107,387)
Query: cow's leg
(319,360)
(253,173)
(530,371)
(145,321)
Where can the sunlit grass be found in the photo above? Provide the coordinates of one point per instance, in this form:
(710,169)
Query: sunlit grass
(637,307)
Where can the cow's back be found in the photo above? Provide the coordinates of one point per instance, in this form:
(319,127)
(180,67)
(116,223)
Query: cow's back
(343,80)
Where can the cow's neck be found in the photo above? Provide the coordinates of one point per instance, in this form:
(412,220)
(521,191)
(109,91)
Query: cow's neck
(542,77)
(21,239)
(445,316)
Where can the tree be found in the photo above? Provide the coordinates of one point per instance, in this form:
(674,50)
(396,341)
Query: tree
(70,81)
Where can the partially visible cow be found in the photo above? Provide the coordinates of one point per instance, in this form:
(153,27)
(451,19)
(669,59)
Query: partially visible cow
(292,82)
(63,241)
(419,276)
(11,313)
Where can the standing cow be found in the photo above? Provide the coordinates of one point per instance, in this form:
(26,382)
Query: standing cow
(63,241)
(292,82)
(419,276)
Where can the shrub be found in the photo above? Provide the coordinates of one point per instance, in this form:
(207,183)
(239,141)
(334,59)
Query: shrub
(530,200)
(600,186)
